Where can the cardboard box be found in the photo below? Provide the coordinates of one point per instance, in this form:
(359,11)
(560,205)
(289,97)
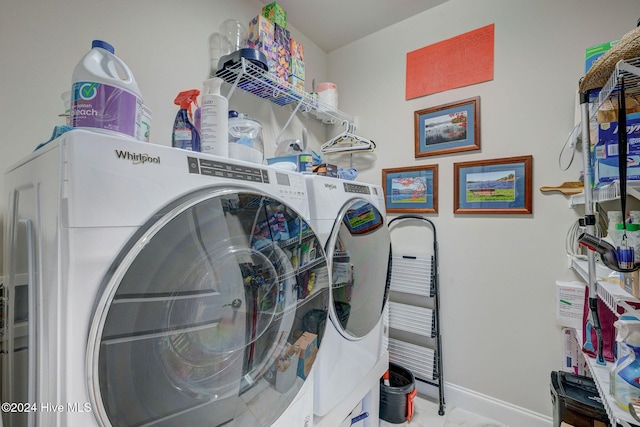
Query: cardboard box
(275,13)
(262,37)
(283,47)
(297,84)
(296,65)
(595,52)
(631,283)
(326,169)
(303,162)
(308,343)
(606,150)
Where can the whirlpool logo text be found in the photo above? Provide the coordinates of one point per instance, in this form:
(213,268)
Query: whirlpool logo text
(331,186)
(137,158)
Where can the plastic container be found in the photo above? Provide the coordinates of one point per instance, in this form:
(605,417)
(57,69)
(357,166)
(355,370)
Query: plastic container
(328,96)
(396,399)
(626,371)
(104,94)
(245,138)
(576,401)
(214,136)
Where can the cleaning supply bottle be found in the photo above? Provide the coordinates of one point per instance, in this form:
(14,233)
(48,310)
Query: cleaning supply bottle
(214,119)
(104,94)
(185,135)
(625,376)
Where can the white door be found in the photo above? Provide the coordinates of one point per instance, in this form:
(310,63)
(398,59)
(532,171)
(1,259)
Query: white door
(197,319)
(359,249)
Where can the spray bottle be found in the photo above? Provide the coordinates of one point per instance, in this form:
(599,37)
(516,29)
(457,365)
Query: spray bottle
(214,119)
(625,376)
(185,135)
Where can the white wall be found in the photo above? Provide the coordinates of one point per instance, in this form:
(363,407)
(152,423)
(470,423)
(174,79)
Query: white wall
(497,272)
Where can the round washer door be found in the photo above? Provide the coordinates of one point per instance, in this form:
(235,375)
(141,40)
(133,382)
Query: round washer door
(359,249)
(205,316)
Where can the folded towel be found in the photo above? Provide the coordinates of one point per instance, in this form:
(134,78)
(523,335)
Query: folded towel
(348,174)
(57,131)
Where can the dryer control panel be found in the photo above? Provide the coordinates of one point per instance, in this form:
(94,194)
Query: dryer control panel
(356,188)
(227,170)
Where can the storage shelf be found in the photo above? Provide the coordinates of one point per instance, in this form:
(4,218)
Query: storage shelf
(614,297)
(607,193)
(612,294)
(253,79)
(601,375)
(630,71)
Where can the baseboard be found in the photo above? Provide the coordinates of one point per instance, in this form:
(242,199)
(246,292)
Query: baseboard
(487,406)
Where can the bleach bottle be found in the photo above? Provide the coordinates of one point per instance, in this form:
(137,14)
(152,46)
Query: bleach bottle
(104,94)
(625,376)
(185,135)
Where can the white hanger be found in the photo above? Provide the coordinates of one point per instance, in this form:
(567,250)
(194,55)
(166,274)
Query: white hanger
(347,142)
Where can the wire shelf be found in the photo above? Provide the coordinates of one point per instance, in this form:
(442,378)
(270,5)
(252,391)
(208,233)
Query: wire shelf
(627,69)
(253,79)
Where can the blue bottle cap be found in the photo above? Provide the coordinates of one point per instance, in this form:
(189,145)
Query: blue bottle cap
(233,114)
(103,45)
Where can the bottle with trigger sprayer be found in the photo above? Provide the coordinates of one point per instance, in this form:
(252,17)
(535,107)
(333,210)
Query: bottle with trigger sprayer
(214,119)
(184,134)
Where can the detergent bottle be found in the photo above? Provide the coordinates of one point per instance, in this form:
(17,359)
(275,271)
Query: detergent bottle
(625,376)
(214,114)
(104,94)
(185,135)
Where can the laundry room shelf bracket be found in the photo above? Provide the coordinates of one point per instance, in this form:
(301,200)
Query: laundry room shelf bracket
(414,323)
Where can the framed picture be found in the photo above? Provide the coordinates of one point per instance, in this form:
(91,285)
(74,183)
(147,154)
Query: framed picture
(449,128)
(498,186)
(411,190)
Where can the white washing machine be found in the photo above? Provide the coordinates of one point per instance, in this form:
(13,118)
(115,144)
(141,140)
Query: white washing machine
(349,218)
(152,286)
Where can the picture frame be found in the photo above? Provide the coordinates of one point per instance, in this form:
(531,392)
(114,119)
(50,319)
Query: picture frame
(496,186)
(448,128)
(411,189)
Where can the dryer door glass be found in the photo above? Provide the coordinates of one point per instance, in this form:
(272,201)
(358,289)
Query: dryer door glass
(359,248)
(199,321)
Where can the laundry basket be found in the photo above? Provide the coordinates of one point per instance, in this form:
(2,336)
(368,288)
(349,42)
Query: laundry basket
(396,399)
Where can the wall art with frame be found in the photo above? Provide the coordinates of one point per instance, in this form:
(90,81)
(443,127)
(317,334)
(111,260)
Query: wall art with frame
(411,189)
(448,128)
(497,186)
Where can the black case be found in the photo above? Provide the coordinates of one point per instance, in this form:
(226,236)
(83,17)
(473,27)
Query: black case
(576,400)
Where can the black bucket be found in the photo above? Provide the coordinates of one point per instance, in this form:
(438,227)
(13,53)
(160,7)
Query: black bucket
(394,398)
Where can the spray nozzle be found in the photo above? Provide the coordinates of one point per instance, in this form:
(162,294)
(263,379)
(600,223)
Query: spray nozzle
(186,98)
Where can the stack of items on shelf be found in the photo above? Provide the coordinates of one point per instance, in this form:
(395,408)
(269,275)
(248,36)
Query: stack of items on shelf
(285,55)
(605,152)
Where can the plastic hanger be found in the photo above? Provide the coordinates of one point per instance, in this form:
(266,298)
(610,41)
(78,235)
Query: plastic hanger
(347,142)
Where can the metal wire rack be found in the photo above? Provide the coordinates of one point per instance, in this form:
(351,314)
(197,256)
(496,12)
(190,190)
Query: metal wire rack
(251,78)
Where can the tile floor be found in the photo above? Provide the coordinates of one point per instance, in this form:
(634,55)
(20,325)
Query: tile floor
(426,415)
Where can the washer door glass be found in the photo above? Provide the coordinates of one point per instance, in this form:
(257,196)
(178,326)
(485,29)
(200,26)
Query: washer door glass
(359,249)
(199,322)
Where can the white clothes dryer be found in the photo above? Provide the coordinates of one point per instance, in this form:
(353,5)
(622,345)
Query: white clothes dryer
(349,219)
(153,286)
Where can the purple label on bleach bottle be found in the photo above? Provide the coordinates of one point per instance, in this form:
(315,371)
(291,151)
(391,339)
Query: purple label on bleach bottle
(100,106)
